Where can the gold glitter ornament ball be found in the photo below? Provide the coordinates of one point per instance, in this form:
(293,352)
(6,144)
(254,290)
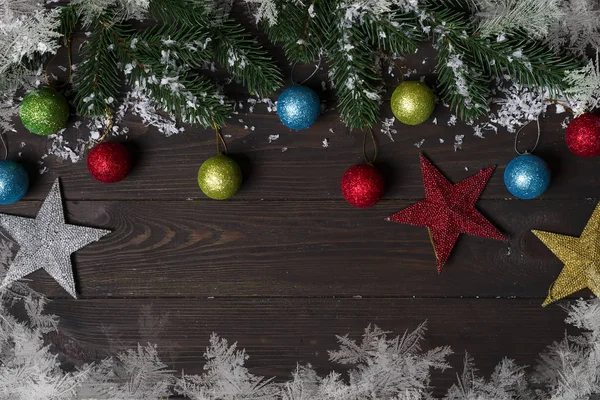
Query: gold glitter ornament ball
(219,177)
(412,102)
(44,111)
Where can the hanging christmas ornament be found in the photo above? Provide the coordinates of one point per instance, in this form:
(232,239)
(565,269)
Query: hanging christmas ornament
(581,256)
(362,185)
(448,210)
(44,111)
(298,107)
(219,177)
(412,102)
(527,176)
(109,162)
(46,242)
(583,135)
(14,182)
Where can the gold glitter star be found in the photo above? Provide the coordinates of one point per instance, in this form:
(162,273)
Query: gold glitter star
(581,256)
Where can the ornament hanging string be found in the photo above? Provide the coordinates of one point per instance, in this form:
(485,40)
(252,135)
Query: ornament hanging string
(4,145)
(219,138)
(68,48)
(310,76)
(536,141)
(364,145)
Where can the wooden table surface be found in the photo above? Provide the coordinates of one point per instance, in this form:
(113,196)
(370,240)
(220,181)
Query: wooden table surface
(287,264)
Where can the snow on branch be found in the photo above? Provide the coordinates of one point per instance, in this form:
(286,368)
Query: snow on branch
(579,27)
(584,86)
(26,35)
(534,17)
(125,9)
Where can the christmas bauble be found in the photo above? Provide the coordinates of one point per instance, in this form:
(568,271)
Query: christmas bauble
(44,111)
(412,102)
(583,135)
(219,177)
(14,181)
(109,162)
(527,176)
(362,185)
(298,107)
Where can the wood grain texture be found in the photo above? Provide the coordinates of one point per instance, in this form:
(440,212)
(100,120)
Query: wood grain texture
(311,248)
(278,333)
(166,168)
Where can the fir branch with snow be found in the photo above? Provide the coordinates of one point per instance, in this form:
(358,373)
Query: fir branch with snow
(386,368)
(225,376)
(533,17)
(578,29)
(164,61)
(473,47)
(584,86)
(570,369)
(508,382)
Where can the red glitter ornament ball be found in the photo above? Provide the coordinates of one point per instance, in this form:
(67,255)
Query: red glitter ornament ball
(109,162)
(362,185)
(583,135)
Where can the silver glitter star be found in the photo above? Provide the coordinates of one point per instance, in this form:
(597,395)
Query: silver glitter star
(47,242)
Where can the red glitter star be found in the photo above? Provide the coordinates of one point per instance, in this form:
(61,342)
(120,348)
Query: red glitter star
(448,210)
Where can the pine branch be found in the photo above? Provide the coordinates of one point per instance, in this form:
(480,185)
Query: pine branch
(186,95)
(354,69)
(465,89)
(98,80)
(69,17)
(468,62)
(188,43)
(182,11)
(189,97)
(532,17)
(529,62)
(244,59)
(221,40)
(298,33)
(396,32)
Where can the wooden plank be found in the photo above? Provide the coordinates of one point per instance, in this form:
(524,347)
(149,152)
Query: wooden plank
(166,168)
(316,248)
(278,333)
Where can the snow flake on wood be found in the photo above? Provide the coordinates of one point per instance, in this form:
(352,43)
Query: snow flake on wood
(518,105)
(387,127)
(479,130)
(458,142)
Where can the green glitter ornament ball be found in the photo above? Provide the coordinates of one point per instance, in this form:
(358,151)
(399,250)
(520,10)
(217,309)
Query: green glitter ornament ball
(219,177)
(412,102)
(44,111)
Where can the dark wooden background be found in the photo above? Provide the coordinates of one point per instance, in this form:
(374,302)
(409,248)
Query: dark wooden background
(287,264)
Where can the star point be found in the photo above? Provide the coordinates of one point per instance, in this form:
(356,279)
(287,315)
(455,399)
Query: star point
(448,210)
(580,256)
(46,242)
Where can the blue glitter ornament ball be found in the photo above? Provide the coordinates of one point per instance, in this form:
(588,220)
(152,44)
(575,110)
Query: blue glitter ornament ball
(527,176)
(298,107)
(14,181)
